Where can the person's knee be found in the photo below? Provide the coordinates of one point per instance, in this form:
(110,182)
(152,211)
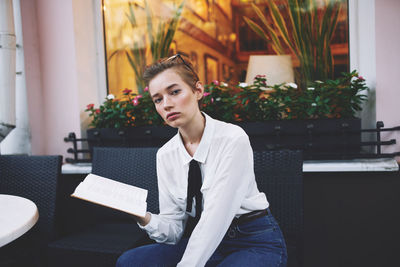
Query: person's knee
(122,261)
(130,258)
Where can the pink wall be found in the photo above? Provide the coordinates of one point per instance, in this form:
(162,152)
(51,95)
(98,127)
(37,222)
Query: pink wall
(53,101)
(387,66)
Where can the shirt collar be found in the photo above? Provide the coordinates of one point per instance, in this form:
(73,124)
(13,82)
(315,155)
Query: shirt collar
(202,150)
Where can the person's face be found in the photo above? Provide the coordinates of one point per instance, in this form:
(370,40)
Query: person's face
(175,101)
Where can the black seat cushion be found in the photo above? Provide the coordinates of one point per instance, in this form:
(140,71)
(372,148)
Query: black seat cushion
(100,245)
(94,235)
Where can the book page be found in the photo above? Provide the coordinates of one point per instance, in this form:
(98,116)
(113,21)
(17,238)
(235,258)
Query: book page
(113,194)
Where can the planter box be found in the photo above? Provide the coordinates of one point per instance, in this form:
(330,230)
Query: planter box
(142,136)
(319,139)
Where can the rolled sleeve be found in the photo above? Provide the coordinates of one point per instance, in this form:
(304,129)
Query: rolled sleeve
(152,226)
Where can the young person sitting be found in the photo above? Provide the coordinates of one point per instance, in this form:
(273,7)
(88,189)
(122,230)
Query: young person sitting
(211,211)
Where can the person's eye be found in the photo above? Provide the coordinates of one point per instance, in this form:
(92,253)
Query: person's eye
(157,100)
(175,92)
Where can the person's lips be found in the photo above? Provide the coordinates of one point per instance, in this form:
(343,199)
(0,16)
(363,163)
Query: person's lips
(172,115)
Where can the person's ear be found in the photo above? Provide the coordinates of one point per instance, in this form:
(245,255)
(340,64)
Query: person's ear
(199,90)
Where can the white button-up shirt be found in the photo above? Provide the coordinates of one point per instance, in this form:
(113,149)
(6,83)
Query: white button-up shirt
(229,189)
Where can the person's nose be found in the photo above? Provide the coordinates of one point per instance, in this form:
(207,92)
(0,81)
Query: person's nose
(167,103)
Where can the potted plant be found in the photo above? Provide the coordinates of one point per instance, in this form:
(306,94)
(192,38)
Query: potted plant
(272,115)
(320,119)
(306,33)
(129,121)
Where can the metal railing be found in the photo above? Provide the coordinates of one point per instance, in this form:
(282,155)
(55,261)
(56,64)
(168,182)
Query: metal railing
(311,148)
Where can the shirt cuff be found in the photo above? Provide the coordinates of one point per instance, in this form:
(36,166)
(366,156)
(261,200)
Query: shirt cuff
(152,225)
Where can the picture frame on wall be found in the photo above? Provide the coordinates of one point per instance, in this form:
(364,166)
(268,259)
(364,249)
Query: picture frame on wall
(226,73)
(194,60)
(211,68)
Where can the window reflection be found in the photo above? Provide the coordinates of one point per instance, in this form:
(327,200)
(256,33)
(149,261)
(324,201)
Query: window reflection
(212,33)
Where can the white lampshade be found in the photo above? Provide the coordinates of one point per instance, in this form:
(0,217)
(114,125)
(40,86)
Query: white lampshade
(277,69)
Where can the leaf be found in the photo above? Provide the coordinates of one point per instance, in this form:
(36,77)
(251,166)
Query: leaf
(131,16)
(277,44)
(257,29)
(132,63)
(281,25)
(149,17)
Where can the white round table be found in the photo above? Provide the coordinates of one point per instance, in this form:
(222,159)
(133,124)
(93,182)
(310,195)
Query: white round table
(17,216)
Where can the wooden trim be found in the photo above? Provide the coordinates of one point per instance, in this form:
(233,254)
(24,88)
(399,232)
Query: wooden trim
(192,30)
(196,14)
(222,11)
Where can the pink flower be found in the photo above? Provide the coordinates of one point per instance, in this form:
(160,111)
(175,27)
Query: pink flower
(212,100)
(135,101)
(260,76)
(361,78)
(216,82)
(206,94)
(126,91)
(97,111)
(90,106)
(146,89)
(138,96)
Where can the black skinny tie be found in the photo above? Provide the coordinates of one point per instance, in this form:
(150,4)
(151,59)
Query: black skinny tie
(194,186)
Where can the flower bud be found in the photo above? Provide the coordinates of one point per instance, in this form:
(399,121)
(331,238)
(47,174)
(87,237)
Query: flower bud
(126,91)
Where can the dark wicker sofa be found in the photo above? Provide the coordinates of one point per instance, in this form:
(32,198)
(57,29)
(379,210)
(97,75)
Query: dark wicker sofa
(91,235)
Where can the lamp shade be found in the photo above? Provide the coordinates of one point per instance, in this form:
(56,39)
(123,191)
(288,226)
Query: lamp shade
(277,68)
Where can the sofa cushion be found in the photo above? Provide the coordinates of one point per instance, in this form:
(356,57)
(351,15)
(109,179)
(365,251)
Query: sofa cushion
(100,245)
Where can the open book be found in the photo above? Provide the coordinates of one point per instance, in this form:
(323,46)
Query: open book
(112,194)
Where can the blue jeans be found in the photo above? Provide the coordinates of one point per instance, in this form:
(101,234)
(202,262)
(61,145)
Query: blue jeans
(256,243)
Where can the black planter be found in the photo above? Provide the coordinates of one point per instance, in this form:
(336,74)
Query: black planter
(142,136)
(319,139)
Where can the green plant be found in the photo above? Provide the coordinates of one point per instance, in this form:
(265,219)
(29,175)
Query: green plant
(218,101)
(307,33)
(150,48)
(259,102)
(132,110)
(339,98)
